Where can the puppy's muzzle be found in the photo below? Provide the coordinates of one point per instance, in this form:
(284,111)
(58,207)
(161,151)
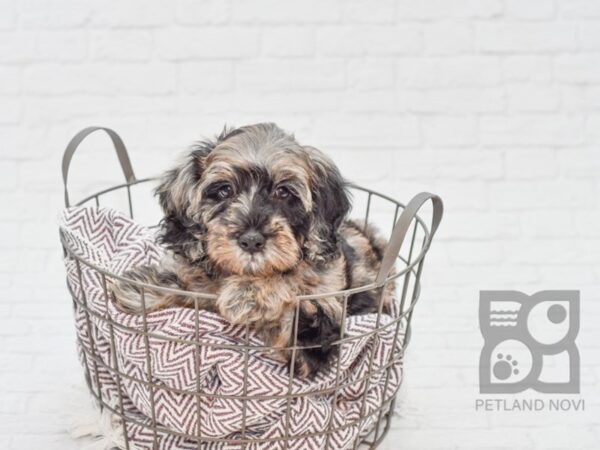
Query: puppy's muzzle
(252,241)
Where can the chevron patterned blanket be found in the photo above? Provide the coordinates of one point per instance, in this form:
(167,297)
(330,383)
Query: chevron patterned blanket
(178,369)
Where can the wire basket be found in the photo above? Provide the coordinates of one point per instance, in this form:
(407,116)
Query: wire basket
(401,264)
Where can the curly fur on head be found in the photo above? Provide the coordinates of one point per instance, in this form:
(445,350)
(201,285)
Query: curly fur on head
(258,219)
(260,164)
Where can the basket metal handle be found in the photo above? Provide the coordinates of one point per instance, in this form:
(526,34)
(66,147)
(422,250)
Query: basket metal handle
(401,228)
(119,148)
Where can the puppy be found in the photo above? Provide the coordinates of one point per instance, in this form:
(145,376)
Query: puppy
(258,219)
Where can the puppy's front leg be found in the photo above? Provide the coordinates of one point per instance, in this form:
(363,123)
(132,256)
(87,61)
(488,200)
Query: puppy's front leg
(266,304)
(318,327)
(269,306)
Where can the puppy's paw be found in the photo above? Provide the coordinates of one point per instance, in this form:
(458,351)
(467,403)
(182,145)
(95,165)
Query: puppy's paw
(258,301)
(126,295)
(132,297)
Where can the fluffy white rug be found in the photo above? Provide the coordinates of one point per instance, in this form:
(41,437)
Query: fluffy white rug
(93,429)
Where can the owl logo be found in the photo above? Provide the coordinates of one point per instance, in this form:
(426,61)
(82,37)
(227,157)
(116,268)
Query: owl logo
(529,342)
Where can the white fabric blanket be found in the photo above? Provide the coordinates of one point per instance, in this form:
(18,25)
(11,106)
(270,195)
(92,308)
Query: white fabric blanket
(114,242)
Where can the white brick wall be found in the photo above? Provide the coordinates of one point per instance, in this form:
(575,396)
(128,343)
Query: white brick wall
(493,104)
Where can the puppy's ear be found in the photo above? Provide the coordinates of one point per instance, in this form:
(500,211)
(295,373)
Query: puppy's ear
(176,192)
(331,204)
(176,189)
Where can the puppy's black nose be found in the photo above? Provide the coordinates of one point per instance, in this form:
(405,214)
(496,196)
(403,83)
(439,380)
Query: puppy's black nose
(251,241)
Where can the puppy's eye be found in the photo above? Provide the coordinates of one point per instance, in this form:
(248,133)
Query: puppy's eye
(282,193)
(225,191)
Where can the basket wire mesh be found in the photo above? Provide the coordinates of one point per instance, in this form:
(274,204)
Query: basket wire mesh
(406,228)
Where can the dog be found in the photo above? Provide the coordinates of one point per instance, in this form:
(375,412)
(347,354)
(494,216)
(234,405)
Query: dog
(258,219)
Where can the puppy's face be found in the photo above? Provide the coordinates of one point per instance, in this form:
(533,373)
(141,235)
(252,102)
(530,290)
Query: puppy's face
(254,202)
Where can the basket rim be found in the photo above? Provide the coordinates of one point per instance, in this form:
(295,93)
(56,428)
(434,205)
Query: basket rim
(203,295)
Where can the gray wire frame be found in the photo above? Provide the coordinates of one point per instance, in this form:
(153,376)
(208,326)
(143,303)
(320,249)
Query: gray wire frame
(405,221)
